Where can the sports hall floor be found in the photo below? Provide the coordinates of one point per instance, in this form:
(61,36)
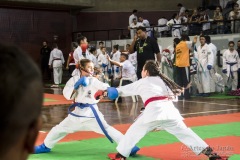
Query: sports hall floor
(215,119)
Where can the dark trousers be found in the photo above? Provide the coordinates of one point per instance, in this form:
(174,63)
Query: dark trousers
(181,76)
(46,70)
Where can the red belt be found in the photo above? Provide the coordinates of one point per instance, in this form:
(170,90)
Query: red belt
(155,99)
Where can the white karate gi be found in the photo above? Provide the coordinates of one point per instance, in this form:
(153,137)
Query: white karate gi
(56,60)
(231,57)
(116,57)
(212,72)
(133,59)
(102,58)
(160,113)
(205,57)
(176,27)
(78,55)
(73,124)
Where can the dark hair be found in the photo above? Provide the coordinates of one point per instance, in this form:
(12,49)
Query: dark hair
(92,49)
(176,41)
(231,42)
(202,36)
(153,70)
(21,95)
(208,39)
(83,63)
(54,45)
(125,55)
(81,38)
(220,7)
(174,15)
(101,42)
(179,5)
(185,37)
(134,11)
(74,45)
(116,46)
(141,28)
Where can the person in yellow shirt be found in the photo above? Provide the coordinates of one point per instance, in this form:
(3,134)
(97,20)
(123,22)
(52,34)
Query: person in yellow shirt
(182,63)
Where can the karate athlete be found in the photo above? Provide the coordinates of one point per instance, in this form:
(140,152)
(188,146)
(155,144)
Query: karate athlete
(115,54)
(205,59)
(86,115)
(157,92)
(231,66)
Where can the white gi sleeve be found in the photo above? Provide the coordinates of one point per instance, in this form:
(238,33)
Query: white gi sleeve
(130,89)
(69,87)
(100,85)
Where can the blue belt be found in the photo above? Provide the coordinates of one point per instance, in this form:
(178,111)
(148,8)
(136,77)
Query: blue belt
(82,105)
(231,64)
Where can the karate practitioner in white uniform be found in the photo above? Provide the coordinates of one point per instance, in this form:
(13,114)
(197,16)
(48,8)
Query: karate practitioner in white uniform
(86,115)
(157,93)
(231,66)
(205,59)
(56,60)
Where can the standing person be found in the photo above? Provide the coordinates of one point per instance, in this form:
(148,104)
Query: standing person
(235,15)
(133,27)
(175,24)
(115,54)
(146,47)
(238,50)
(56,62)
(94,57)
(212,71)
(182,63)
(45,54)
(83,89)
(145,23)
(99,50)
(70,66)
(218,16)
(157,93)
(231,66)
(132,16)
(21,89)
(81,51)
(205,59)
(182,10)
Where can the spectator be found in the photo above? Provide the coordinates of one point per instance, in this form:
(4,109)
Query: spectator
(70,66)
(134,25)
(56,62)
(175,23)
(195,27)
(100,44)
(145,23)
(230,4)
(21,90)
(132,16)
(204,18)
(93,55)
(45,54)
(235,15)
(128,70)
(185,19)
(182,10)
(219,17)
(115,55)
(163,23)
(146,47)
